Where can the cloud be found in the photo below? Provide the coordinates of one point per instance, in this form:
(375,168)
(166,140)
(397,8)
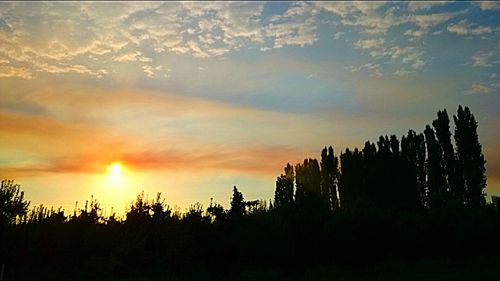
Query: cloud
(488,5)
(151,71)
(482,58)
(369,43)
(297,26)
(67,68)
(146,131)
(414,6)
(132,56)
(415,34)
(415,59)
(19,72)
(425,22)
(345,9)
(374,23)
(255,160)
(486,58)
(465,28)
(484,88)
(374,70)
(408,55)
(401,72)
(337,35)
(96,39)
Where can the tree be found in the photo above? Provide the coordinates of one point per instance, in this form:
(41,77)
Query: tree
(92,215)
(454,184)
(351,182)
(387,191)
(283,194)
(329,174)
(470,157)
(216,211)
(139,211)
(435,172)
(238,206)
(12,202)
(413,152)
(161,212)
(308,179)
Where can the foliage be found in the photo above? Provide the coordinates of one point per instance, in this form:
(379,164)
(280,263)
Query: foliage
(12,203)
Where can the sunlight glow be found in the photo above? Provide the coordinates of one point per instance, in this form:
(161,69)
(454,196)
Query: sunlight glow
(115,173)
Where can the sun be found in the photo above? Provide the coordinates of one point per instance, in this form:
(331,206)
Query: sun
(115,173)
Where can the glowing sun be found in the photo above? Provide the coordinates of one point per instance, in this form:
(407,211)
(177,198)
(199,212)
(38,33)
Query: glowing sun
(115,173)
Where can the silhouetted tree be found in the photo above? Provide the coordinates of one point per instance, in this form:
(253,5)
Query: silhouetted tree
(470,156)
(139,211)
(308,180)
(435,172)
(351,184)
(454,182)
(388,192)
(413,151)
(42,214)
(217,212)
(91,214)
(283,194)
(238,207)
(12,202)
(394,145)
(329,177)
(195,214)
(161,212)
(370,173)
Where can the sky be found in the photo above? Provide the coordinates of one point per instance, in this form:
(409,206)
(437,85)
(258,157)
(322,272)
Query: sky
(192,98)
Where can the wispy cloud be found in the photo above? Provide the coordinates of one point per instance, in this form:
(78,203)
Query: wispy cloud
(10,71)
(97,39)
(369,43)
(488,5)
(425,5)
(465,28)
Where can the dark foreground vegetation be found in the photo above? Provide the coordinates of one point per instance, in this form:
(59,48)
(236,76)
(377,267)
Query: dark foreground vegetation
(413,209)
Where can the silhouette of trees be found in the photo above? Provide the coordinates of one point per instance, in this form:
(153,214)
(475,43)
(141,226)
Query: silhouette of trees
(435,172)
(42,214)
(12,203)
(161,212)
(238,206)
(283,195)
(352,190)
(329,176)
(308,180)
(422,170)
(92,215)
(470,157)
(413,152)
(217,212)
(453,186)
(411,200)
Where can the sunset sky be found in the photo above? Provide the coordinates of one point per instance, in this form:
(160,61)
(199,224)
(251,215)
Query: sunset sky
(192,98)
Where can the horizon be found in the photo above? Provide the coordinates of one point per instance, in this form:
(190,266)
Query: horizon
(194,98)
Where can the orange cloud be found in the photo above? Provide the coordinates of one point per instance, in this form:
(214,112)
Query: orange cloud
(80,147)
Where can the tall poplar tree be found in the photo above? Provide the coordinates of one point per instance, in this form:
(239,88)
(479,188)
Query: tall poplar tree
(470,157)
(454,184)
(329,173)
(435,172)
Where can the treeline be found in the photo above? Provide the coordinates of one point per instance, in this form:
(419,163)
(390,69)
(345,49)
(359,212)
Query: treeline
(424,170)
(404,209)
